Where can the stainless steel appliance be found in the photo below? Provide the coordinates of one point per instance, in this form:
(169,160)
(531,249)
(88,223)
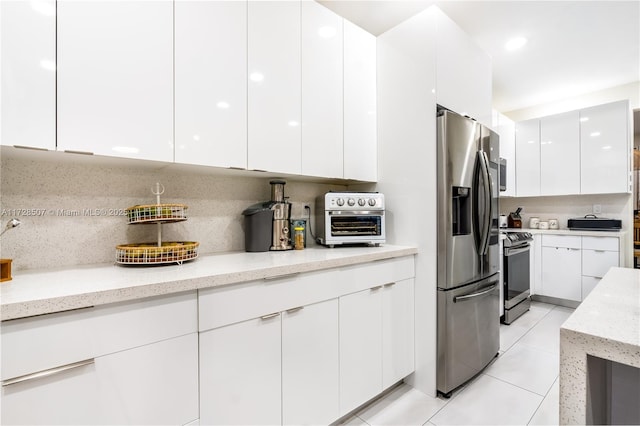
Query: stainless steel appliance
(503,174)
(267,225)
(515,273)
(350,218)
(468,249)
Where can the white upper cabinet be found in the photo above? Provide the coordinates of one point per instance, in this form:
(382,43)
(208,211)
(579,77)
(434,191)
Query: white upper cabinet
(528,158)
(605,148)
(559,154)
(274,86)
(360,133)
(28,73)
(322,93)
(115,78)
(463,72)
(211,83)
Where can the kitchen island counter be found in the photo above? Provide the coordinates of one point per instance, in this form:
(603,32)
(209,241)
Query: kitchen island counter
(47,291)
(607,326)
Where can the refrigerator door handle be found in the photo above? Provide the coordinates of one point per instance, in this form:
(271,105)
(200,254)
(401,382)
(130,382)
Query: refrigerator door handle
(482,219)
(482,292)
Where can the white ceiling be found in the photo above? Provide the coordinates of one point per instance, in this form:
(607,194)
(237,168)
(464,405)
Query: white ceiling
(574,47)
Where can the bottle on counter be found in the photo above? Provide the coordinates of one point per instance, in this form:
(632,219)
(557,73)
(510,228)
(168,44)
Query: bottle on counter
(298,238)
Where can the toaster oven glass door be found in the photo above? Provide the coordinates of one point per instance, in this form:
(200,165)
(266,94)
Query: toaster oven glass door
(352,224)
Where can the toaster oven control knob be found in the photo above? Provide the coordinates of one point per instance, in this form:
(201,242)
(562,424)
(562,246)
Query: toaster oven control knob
(361,202)
(340,202)
(372,202)
(351,202)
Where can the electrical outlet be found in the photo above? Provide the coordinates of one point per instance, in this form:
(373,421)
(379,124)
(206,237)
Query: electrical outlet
(597,208)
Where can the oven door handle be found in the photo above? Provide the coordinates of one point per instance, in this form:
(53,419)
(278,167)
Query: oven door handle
(355,212)
(513,251)
(484,291)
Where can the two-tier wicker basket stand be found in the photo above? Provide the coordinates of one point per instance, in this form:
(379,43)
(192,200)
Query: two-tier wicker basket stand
(156,253)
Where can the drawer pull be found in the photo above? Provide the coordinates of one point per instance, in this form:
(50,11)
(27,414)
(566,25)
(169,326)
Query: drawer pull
(278,277)
(390,285)
(376,288)
(599,251)
(47,373)
(273,315)
(292,310)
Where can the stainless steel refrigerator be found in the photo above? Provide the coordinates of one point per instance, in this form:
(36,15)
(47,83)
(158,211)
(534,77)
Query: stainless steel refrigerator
(468,235)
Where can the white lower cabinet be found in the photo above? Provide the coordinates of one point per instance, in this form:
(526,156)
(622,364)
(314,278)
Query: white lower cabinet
(240,375)
(571,266)
(129,387)
(360,348)
(124,363)
(561,267)
(376,330)
(310,368)
(397,331)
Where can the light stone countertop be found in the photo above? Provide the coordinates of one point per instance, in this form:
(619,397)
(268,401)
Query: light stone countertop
(565,231)
(606,325)
(47,291)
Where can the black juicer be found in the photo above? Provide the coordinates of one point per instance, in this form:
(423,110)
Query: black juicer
(268,224)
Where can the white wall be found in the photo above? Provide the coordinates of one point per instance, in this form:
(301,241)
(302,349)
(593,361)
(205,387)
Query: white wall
(215,204)
(407,168)
(628,91)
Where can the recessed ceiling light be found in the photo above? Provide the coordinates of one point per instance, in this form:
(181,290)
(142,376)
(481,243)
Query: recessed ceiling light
(515,43)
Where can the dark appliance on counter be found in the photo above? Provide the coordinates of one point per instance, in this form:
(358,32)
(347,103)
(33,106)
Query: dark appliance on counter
(468,292)
(515,275)
(267,224)
(345,218)
(593,223)
(515,221)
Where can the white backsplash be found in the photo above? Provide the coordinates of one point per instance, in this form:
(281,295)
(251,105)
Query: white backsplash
(563,208)
(66,235)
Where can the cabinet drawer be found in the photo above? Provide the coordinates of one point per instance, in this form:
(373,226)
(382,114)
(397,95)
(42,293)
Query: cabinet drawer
(568,241)
(596,263)
(230,304)
(43,342)
(601,243)
(588,284)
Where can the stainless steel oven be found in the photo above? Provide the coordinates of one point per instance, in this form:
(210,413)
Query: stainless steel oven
(350,218)
(516,275)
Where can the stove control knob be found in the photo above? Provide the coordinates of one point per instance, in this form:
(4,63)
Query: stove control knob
(361,202)
(351,202)
(372,202)
(340,202)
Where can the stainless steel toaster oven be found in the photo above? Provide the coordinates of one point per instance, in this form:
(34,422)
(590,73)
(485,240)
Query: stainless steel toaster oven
(350,218)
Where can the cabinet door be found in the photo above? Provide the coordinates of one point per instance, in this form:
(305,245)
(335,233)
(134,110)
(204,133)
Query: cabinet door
(397,332)
(240,373)
(528,158)
(559,154)
(507,131)
(360,348)
(310,369)
(28,73)
(129,387)
(463,71)
(360,134)
(115,78)
(604,148)
(561,273)
(274,86)
(596,263)
(211,83)
(322,97)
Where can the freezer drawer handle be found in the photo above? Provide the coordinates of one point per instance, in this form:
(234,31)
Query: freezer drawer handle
(486,290)
(47,373)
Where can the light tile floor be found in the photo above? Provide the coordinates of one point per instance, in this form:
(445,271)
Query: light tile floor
(520,387)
